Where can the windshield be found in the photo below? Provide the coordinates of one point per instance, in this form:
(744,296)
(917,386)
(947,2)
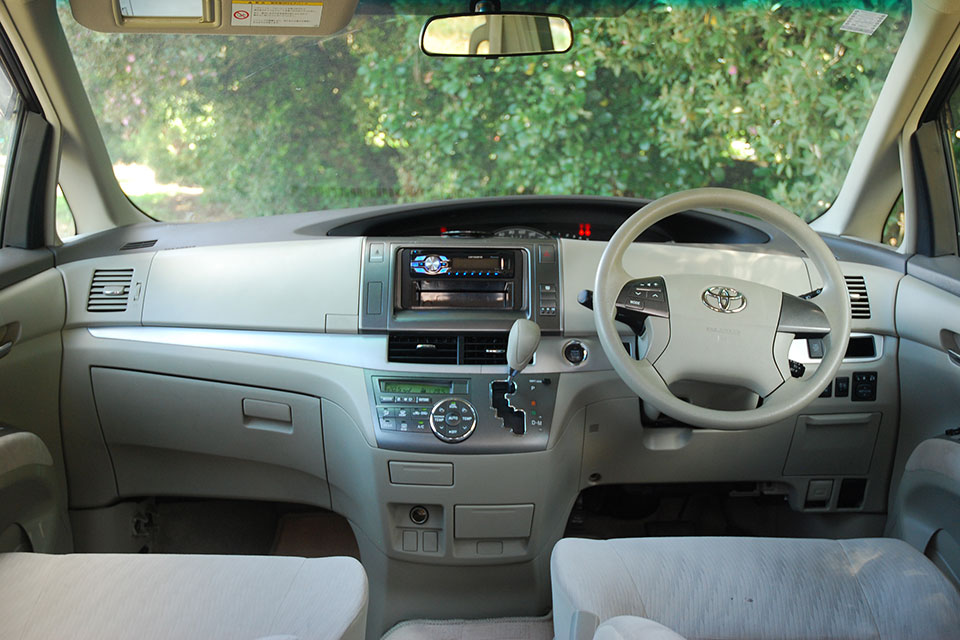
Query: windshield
(767,97)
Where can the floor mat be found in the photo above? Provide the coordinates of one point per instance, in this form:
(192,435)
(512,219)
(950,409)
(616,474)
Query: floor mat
(490,629)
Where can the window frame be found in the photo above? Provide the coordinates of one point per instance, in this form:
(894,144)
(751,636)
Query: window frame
(938,112)
(28,103)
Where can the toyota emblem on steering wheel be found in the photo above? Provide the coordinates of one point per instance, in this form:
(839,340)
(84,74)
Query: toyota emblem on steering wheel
(724,299)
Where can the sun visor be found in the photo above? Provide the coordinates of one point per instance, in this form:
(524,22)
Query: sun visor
(222,17)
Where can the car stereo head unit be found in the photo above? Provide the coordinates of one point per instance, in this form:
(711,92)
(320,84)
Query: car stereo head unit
(461,279)
(461,263)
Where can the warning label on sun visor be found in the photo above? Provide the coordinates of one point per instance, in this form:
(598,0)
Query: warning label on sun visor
(861,21)
(279,13)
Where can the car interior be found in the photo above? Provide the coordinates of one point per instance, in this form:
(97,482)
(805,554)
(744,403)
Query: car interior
(576,324)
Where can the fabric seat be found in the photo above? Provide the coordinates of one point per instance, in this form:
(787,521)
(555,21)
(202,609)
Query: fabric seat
(115,596)
(634,628)
(754,588)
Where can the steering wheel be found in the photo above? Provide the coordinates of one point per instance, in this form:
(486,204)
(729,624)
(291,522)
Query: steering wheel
(712,328)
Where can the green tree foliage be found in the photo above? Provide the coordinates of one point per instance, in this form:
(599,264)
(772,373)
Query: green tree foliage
(770,98)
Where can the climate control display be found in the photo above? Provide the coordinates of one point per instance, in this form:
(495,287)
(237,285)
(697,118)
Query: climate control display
(453,420)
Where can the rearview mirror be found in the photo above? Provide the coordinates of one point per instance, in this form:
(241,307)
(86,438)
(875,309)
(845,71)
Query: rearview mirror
(496,34)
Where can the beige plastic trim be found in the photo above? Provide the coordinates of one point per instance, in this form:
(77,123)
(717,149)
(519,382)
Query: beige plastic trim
(105,15)
(310,285)
(85,169)
(29,495)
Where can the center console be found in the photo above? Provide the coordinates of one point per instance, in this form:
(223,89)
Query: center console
(446,307)
(477,413)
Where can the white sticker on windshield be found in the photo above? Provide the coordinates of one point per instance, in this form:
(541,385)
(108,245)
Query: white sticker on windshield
(276,13)
(861,21)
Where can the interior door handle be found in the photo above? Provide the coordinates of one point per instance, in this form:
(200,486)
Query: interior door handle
(950,341)
(6,348)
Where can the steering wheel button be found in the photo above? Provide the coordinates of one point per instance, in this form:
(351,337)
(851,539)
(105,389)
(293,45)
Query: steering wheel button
(815,348)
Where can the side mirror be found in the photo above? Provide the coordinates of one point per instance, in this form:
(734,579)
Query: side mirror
(496,34)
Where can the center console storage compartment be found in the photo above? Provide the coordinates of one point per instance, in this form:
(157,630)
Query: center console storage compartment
(492,521)
(171,435)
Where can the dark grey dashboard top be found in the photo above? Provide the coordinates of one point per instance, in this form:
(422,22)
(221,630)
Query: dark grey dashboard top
(485,215)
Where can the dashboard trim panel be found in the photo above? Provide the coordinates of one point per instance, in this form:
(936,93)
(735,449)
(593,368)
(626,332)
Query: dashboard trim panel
(360,351)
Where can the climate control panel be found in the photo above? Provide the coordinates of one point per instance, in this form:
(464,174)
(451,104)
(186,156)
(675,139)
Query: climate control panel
(453,420)
(470,414)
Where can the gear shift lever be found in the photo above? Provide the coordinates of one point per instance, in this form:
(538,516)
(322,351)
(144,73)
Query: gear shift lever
(523,341)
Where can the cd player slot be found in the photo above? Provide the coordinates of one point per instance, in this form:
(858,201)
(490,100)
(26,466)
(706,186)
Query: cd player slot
(480,296)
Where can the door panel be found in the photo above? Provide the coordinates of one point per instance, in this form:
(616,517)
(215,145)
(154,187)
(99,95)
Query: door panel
(32,314)
(927,319)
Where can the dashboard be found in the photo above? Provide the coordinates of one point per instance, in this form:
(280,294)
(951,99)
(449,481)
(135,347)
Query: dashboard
(536,217)
(355,361)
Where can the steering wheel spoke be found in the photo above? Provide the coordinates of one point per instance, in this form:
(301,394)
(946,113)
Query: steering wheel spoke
(803,318)
(644,297)
(639,299)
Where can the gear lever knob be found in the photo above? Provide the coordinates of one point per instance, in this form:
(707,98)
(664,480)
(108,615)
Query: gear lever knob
(523,341)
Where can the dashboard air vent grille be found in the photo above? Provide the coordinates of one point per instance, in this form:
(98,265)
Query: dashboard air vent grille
(109,290)
(491,349)
(423,349)
(140,244)
(859,303)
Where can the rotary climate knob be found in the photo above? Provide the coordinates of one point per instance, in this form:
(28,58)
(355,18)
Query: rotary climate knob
(453,420)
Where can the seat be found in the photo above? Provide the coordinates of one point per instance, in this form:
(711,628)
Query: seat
(756,588)
(159,597)
(153,597)
(634,628)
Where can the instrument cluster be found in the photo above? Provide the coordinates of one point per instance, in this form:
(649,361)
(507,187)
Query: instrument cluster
(579,231)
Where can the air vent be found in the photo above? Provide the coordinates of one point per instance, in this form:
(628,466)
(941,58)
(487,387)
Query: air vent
(859,303)
(422,348)
(109,290)
(140,244)
(490,349)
